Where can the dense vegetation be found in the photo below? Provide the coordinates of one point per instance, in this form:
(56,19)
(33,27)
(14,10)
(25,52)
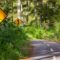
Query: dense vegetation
(42,18)
(42,21)
(13,40)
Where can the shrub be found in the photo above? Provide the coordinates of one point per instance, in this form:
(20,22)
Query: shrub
(12,40)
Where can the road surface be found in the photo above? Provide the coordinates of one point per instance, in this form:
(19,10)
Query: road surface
(45,50)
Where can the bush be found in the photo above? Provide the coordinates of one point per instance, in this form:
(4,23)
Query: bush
(12,39)
(39,33)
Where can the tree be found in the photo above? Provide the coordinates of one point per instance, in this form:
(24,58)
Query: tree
(40,12)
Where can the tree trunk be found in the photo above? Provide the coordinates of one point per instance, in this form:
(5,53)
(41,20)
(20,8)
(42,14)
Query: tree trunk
(19,8)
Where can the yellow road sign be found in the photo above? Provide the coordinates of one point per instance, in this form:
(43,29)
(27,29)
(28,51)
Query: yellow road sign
(18,21)
(2,15)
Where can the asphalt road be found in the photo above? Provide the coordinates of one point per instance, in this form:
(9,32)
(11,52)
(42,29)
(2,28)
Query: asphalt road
(45,50)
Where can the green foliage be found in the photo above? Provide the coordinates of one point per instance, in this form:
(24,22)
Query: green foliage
(41,33)
(40,12)
(12,40)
